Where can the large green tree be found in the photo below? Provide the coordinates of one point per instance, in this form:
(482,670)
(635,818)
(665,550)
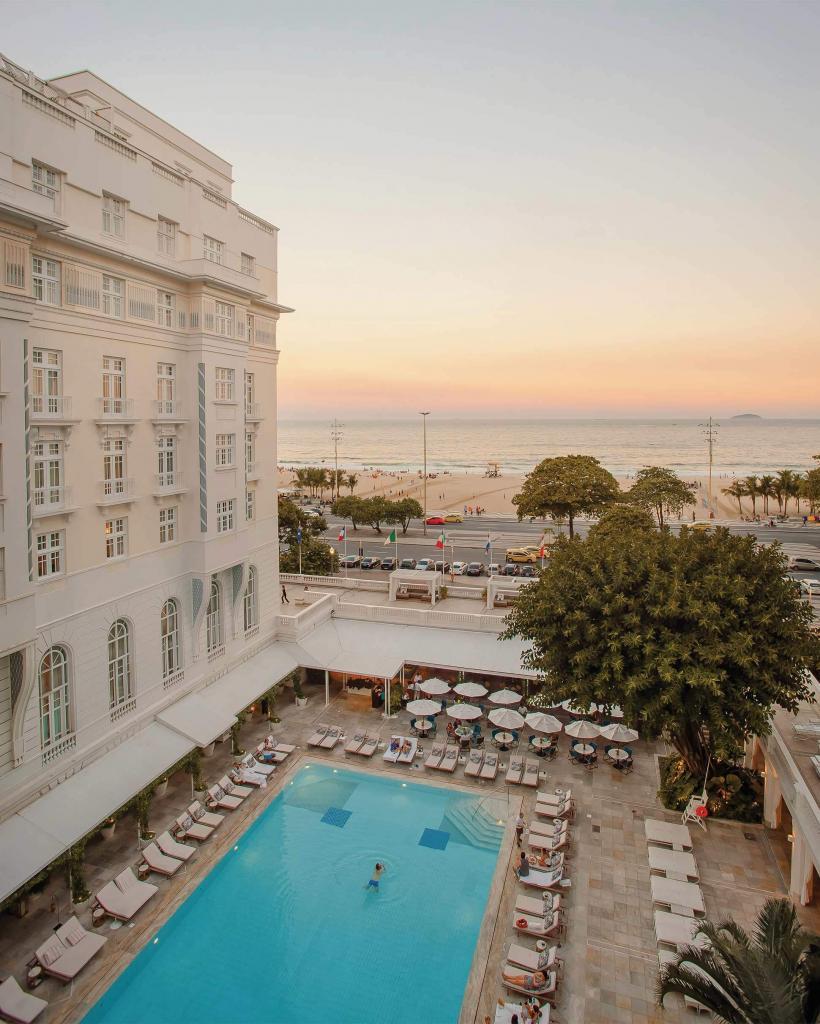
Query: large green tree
(318,559)
(407,509)
(291,517)
(661,491)
(737,491)
(697,636)
(565,487)
(352,508)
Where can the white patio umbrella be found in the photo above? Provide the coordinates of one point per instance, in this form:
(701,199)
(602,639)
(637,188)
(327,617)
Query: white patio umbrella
(464,711)
(619,733)
(582,730)
(505,697)
(424,707)
(576,709)
(543,723)
(435,686)
(470,690)
(506,718)
(613,712)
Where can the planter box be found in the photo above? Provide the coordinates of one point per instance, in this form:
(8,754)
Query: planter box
(301,702)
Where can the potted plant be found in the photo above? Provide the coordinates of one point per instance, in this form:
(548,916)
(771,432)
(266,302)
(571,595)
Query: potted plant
(298,692)
(107,828)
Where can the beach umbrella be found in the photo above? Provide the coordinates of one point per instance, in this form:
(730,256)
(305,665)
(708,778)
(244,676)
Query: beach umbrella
(543,723)
(576,709)
(619,733)
(470,690)
(582,730)
(613,712)
(435,686)
(505,697)
(506,718)
(464,711)
(424,707)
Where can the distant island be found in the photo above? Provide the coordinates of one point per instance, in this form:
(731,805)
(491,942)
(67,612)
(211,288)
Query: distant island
(747,416)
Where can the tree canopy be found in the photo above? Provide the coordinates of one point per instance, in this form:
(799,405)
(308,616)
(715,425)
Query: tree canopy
(621,517)
(698,637)
(565,487)
(317,559)
(291,517)
(660,491)
(377,510)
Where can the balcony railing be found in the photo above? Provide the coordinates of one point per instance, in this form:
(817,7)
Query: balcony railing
(116,489)
(167,409)
(169,482)
(48,500)
(50,407)
(253,411)
(115,408)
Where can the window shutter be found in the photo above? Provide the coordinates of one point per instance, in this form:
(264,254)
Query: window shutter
(81,286)
(141,302)
(240,321)
(14,262)
(208,314)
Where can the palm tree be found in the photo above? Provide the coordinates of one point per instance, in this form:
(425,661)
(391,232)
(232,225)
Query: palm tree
(738,491)
(789,483)
(768,976)
(752,487)
(352,480)
(766,491)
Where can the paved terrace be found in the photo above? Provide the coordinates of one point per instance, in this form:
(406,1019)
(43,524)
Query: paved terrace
(609,947)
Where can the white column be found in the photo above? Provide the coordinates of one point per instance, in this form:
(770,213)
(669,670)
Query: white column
(327,687)
(802,869)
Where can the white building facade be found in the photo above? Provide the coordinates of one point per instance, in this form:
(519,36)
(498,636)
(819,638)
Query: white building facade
(138,526)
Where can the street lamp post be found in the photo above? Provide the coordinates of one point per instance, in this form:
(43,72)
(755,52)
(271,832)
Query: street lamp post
(424,416)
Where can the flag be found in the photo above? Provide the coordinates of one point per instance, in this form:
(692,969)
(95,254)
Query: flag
(392,538)
(298,534)
(442,537)
(487,547)
(342,533)
(541,550)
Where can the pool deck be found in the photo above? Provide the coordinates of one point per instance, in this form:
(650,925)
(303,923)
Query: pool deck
(609,948)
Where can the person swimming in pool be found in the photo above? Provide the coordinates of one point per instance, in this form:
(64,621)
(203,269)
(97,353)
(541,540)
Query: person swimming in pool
(378,871)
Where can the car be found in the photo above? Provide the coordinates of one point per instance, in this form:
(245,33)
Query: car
(312,513)
(424,564)
(388,564)
(475,569)
(493,569)
(442,566)
(349,561)
(453,517)
(510,569)
(536,550)
(459,568)
(407,563)
(810,588)
(526,570)
(701,527)
(520,555)
(435,520)
(371,563)
(799,564)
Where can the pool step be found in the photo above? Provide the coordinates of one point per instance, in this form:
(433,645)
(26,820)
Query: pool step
(476,823)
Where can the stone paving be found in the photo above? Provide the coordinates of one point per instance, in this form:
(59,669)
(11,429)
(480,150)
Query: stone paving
(609,947)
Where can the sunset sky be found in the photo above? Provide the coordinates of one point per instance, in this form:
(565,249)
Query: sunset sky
(490,209)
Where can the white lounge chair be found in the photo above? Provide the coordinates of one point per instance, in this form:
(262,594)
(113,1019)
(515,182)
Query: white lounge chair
(407,751)
(171,848)
(565,810)
(331,738)
(545,797)
(250,762)
(234,789)
(542,879)
(509,976)
(450,760)
(530,777)
(122,898)
(368,748)
(433,759)
(548,926)
(68,950)
(18,1006)
(532,960)
(223,799)
(190,829)
(537,905)
(203,817)
(474,763)
(159,862)
(516,770)
(549,828)
(356,743)
(269,755)
(318,735)
(284,748)
(489,769)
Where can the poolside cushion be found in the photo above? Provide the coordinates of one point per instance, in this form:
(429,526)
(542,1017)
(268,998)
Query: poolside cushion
(434,838)
(74,933)
(50,951)
(336,816)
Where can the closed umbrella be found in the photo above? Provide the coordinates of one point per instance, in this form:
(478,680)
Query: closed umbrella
(619,733)
(470,690)
(424,707)
(505,697)
(435,686)
(506,718)
(464,711)
(543,723)
(582,730)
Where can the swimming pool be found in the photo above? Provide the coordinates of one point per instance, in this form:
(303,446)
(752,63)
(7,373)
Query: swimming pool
(283,929)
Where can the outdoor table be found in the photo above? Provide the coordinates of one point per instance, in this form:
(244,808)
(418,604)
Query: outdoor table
(504,1013)
(583,749)
(618,754)
(423,726)
(464,731)
(682,898)
(504,739)
(541,745)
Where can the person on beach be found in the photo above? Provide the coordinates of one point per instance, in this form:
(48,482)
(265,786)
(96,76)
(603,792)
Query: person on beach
(519,828)
(284,595)
(378,871)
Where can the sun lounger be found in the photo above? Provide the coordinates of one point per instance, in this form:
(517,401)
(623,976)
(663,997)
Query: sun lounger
(675,930)
(233,789)
(673,864)
(331,738)
(474,763)
(565,810)
(368,748)
(203,817)
(17,1005)
(530,777)
(551,843)
(171,848)
(352,746)
(190,829)
(160,862)
(684,898)
(536,906)
(250,762)
(546,991)
(250,777)
(489,769)
(516,770)
(541,926)
(318,735)
(68,950)
(223,799)
(665,833)
(542,879)
(450,759)
(269,755)
(123,904)
(284,748)
(433,759)
(407,756)
(549,828)
(532,960)
(545,797)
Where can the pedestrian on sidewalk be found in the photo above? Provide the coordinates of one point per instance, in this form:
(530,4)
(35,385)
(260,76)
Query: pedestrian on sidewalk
(284,595)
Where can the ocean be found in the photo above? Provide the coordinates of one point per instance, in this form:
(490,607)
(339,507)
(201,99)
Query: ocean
(742,447)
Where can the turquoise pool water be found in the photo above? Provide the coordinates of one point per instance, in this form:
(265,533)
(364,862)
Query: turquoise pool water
(283,929)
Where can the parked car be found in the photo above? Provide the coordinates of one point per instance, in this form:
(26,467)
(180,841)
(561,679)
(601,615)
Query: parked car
(493,569)
(435,520)
(388,564)
(312,513)
(371,563)
(459,568)
(810,588)
(519,555)
(701,526)
(475,569)
(803,565)
(510,569)
(526,570)
(453,517)
(442,566)
(424,564)
(407,563)
(349,561)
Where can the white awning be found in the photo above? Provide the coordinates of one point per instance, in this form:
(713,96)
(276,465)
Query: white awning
(33,837)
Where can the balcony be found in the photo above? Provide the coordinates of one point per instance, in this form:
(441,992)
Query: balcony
(203,269)
(168,410)
(54,409)
(169,482)
(115,410)
(30,207)
(51,501)
(115,491)
(253,412)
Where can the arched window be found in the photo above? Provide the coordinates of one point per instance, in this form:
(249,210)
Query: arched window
(55,696)
(169,636)
(213,619)
(119,663)
(249,601)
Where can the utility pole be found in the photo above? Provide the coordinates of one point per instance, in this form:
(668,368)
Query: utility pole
(710,433)
(424,416)
(335,437)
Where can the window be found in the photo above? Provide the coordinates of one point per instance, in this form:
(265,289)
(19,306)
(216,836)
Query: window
(45,181)
(167,524)
(113,216)
(113,382)
(250,505)
(167,236)
(225,444)
(249,601)
(166,461)
(249,325)
(250,452)
(47,474)
(55,696)
(46,382)
(166,387)
(113,291)
(45,280)
(224,516)
(119,664)
(114,466)
(250,394)
(49,550)
(116,538)
(248,264)
(166,302)
(169,639)
(224,384)
(224,319)
(213,249)
(213,619)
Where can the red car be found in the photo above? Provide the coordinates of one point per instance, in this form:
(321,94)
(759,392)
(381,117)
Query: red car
(435,521)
